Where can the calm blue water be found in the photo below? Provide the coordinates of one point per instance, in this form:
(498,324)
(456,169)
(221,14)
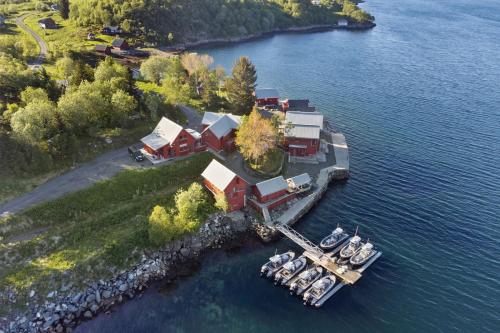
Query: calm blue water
(418,99)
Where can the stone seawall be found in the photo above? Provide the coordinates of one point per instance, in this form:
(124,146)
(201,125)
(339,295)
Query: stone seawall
(66,311)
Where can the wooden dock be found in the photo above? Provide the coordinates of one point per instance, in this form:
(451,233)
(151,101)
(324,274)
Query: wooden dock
(348,276)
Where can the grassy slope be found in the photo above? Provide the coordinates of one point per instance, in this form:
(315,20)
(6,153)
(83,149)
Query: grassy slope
(92,233)
(271,163)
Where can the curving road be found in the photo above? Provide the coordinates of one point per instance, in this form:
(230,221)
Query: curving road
(43,46)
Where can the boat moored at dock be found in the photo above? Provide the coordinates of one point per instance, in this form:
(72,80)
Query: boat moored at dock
(319,289)
(305,280)
(337,237)
(275,263)
(350,249)
(290,269)
(363,255)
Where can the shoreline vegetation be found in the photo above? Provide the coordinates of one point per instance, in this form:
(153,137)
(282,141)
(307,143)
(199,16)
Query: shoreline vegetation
(215,42)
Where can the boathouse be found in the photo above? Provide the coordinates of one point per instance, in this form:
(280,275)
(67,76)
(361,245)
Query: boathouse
(297,105)
(266,96)
(270,189)
(219,130)
(302,131)
(169,140)
(218,179)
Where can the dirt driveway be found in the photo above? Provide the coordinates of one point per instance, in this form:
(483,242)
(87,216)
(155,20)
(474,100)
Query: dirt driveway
(103,167)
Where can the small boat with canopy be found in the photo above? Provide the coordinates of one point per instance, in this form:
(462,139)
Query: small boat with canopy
(275,263)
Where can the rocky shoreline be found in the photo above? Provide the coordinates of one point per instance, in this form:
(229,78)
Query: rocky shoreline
(65,312)
(228,41)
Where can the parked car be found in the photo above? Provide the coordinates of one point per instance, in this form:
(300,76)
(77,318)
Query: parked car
(135,152)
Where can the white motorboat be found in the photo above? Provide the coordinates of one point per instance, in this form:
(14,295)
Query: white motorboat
(290,269)
(275,263)
(337,237)
(305,280)
(365,253)
(350,249)
(319,289)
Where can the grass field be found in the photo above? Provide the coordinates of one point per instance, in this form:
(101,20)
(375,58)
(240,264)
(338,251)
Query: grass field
(271,163)
(90,234)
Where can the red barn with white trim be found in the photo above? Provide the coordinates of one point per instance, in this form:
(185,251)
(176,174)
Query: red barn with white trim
(170,139)
(219,130)
(302,132)
(219,179)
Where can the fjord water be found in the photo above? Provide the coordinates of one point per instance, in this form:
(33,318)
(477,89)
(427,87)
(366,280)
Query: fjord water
(418,99)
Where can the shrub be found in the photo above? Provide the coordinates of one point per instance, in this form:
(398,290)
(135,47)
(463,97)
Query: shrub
(161,226)
(221,202)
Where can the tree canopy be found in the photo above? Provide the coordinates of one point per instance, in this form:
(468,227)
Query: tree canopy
(241,86)
(255,136)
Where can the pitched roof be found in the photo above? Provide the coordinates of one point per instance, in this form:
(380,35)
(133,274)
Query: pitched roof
(47,20)
(101,47)
(193,133)
(303,132)
(164,133)
(298,103)
(118,42)
(272,185)
(266,93)
(220,124)
(219,175)
(299,180)
(304,118)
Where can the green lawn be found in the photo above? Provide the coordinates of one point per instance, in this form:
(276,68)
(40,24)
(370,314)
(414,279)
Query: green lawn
(93,233)
(270,164)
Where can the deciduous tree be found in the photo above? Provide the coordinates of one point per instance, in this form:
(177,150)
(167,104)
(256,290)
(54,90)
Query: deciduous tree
(255,136)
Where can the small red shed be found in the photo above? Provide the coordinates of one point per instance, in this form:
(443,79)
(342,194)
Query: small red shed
(270,189)
(267,96)
(219,179)
(120,44)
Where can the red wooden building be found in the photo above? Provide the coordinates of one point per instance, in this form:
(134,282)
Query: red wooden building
(120,44)
(219,130)
(266,96)
(169,140)
(272,192)
(302,132)
(219,179)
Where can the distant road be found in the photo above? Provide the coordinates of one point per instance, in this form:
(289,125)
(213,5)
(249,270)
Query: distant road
(103,167)
(43,46)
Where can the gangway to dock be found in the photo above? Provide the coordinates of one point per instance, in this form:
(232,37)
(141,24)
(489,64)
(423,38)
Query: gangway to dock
(325,260)
(299,239)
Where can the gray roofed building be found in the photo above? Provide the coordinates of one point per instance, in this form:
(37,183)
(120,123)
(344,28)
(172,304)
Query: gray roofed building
(164,133)
(221,124)
(218,174)
(272,185)
(299,181)
(265,93)
(303,132)
(304,118)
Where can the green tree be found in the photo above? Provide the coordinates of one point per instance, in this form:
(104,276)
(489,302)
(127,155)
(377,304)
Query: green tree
(65,67)
(36,121)
(31,94)
(155,68)
(161,227)
(123,105)
(241,86)
(221,202)
(192,206)
(255,136)
(64,8)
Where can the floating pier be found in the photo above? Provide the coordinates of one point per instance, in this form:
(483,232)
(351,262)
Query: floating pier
(344,274)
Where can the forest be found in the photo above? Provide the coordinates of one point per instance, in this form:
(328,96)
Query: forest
(177,21)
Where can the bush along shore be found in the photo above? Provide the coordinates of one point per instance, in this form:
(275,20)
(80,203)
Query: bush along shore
(234,40)
(66,310)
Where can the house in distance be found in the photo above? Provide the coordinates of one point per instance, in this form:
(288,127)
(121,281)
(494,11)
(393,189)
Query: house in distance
(220,180)
(120,44)
(47,23)
(267,97)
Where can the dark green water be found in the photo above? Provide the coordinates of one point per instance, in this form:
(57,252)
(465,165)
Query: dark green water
(418,99)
